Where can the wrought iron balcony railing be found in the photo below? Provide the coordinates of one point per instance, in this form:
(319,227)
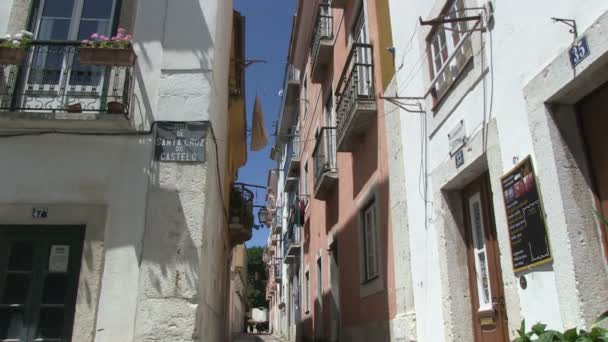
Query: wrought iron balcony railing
(241,207)
(325,153)
(356,87)
(50,78)
(291,241)
(323,29)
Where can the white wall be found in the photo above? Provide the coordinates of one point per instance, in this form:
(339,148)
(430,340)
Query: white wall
(181,74)
(66,170)
(523,41)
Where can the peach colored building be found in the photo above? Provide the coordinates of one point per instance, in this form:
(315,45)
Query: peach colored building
(338,242)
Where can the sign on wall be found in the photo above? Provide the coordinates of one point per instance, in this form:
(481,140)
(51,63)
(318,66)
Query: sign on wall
(181,142)
(525,217)
(579,51)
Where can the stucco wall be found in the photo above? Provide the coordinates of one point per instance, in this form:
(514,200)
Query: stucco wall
(493,96)
(161,269)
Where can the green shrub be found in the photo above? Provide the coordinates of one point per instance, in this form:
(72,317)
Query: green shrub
(540,334)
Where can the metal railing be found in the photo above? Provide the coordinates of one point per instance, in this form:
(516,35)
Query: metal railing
(324,153)
(323,28)
(356,83)
(277,266)
(51,78)
(293,149)
(291,237)
(241,206)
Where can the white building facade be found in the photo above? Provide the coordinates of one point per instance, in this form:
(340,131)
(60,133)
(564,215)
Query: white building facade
(134,234)
(496,166)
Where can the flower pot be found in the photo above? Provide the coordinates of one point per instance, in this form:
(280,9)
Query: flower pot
(73,108)
(9,56)
(106,56)
(116,107)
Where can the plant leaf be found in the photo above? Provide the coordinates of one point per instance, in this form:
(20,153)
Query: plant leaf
(539,328)
(571,335)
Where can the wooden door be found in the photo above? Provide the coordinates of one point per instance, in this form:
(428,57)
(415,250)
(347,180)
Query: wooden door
(485,275)
(593,114)
(39,270)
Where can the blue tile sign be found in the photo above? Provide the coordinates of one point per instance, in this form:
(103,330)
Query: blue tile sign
(579,51)
(181,142)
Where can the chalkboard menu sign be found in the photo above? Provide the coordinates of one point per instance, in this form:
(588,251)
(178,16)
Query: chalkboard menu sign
(525,217)
(180,142)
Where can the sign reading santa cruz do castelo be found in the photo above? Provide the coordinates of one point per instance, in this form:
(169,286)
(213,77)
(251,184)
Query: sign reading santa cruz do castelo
(181,142)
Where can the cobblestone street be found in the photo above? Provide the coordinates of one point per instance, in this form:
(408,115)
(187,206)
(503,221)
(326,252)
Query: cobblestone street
(256,338)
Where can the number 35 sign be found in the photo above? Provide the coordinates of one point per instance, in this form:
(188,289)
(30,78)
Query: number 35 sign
(579,51)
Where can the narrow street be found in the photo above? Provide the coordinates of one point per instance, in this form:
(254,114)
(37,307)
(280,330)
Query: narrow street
(256,338)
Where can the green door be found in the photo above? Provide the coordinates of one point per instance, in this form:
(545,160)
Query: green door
(39,268)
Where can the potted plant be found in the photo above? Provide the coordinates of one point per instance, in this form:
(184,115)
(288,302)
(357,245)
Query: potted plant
(12,48)
(108,51)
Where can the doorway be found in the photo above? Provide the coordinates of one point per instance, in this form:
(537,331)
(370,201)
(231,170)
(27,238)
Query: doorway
(593,116)
(39,270)
(485,274)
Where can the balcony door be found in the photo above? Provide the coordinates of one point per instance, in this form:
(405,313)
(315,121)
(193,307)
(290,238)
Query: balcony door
(55,79)
(362,54)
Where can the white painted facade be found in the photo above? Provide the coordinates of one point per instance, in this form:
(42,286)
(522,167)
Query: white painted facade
(156,260)
(520,66)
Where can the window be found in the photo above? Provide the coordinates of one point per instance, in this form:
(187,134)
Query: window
(305,97)
(307,292)
(370,249)
(448,52)
(319,282)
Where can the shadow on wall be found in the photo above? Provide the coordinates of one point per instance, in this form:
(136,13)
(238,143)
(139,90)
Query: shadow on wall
(365,159)
(186,48)
(352,315)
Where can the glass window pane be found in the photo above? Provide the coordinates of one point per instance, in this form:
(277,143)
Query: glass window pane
(11,323)
(50,324)
(55,289)
(88,27)
(16,289)
(58,8)
(21,256)
(98,9)
(54,29)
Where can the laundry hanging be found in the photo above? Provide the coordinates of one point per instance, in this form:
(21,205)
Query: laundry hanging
(259,133)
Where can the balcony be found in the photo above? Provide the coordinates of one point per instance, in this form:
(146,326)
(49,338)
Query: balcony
(290,104)
(277,221)
(51,79)
(325,156)
(241,214)
(278,271)
(356,107)
(321,47)
(292,244)
(292,157)
(274,240)
(292,162)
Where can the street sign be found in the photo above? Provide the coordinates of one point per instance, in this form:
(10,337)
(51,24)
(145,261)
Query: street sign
(181,142)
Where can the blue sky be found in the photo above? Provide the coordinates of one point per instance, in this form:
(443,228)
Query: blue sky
(268,26)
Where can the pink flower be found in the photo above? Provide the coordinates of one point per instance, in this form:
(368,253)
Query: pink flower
(128,37)
(114,39)
(119,36)
(121,31)
(86,41)
(95,35)
(104,38)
